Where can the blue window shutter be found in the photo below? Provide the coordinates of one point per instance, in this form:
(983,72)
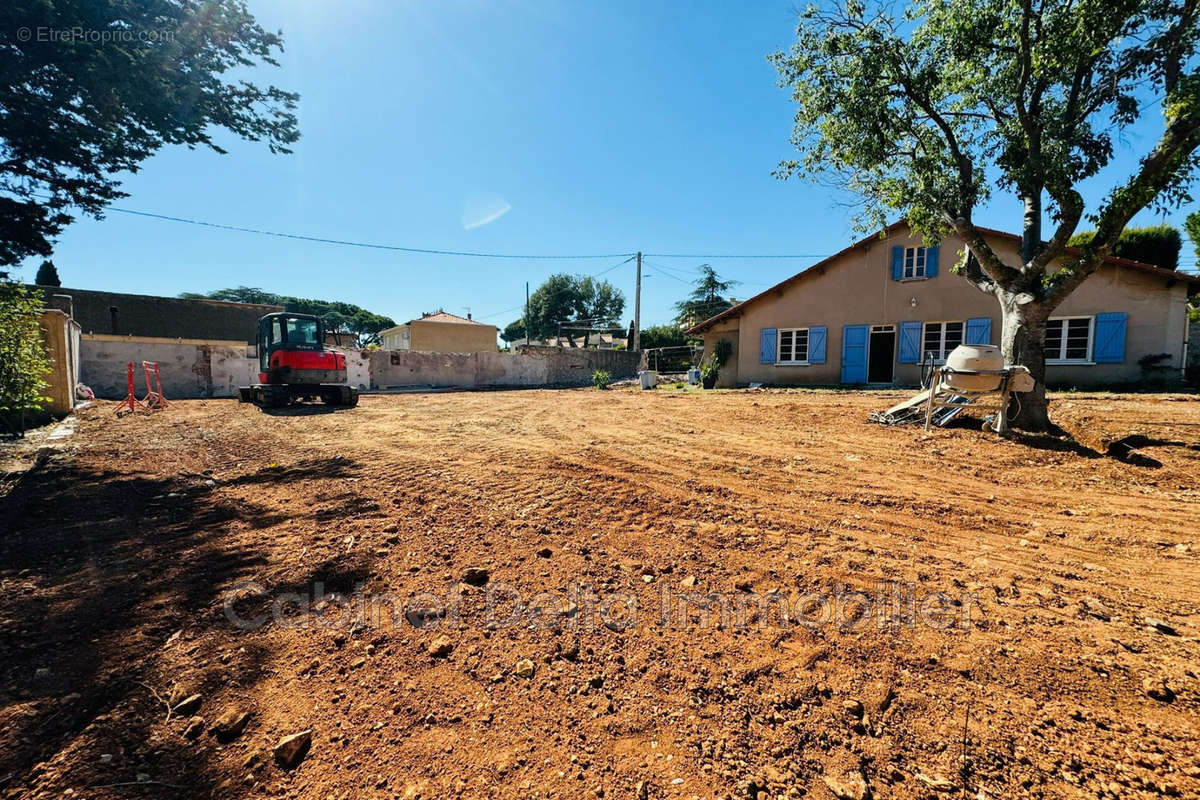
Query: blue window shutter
(910,343)
(897,263)
(931,261)
(979,331)
(816,344)
(766,353)
(1109,347)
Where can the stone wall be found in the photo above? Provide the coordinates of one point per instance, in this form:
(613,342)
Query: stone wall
(199,368)
(532,367)
(187,368)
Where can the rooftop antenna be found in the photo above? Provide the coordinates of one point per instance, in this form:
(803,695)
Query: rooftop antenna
(468,308)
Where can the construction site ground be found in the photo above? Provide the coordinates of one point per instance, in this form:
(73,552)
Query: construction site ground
(616,594)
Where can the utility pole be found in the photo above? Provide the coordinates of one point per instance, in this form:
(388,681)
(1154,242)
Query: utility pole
(637,307)
(527,342)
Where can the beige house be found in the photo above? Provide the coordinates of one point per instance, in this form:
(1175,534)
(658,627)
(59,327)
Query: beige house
(871,313)
(440,332)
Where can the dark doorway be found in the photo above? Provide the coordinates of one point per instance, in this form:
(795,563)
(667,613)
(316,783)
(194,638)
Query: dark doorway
(881,354)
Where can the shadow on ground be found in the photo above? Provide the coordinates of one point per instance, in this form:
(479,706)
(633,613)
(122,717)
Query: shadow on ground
(99,570)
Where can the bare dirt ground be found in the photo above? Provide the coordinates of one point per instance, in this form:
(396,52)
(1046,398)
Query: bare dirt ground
(966,616)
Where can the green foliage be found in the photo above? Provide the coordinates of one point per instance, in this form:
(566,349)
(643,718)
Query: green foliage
(1191,224)
(710,367)
(513,330)
(572,300)
(365,325)
(663,336)
(23,359)
(928,107)
(705,301)
(77,113)
(601,379)
(47,275)
(1157,244)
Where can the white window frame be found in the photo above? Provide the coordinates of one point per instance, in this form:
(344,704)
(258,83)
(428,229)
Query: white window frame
(912,270)
(1062,347)
(779,347)
(942,353)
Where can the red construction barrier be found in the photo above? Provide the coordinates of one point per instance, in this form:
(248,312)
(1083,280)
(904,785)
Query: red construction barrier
(130,404)
(154,399)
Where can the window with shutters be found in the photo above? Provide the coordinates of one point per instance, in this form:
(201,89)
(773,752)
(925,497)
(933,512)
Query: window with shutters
(793,346)
(914,262)
(942,337)
(1069,340)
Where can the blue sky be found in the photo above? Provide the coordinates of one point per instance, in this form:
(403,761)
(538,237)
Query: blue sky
(515,126)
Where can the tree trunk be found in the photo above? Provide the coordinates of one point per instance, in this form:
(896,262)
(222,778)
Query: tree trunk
(1023,341)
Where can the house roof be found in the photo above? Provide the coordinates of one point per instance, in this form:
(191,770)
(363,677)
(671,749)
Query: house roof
(443,316)
(819,268)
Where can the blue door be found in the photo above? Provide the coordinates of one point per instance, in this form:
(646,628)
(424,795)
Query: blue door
(854,354)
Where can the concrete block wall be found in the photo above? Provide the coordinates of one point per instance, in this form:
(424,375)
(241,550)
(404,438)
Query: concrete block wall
(197,368)
(534,366)
(186,368)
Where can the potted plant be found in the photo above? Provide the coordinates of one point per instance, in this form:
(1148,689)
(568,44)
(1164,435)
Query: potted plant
(710,367)
(710,370)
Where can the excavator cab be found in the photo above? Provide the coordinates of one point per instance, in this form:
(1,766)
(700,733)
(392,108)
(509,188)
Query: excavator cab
(294,364)
(288,332)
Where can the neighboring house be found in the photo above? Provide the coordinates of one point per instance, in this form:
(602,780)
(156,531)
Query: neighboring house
(113,313)
(869,314)
(440,332)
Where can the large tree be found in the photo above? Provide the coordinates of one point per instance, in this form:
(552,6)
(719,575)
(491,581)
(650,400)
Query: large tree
(365,325)
(706,300)
(928,109)
(571,303)
(89,90)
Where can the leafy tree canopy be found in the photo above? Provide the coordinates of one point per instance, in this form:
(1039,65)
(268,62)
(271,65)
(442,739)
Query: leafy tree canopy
(1156,244)
(338,316)
(572,300)
(663,336)
(47,275)
(928,107)
(705,301)
(77,112)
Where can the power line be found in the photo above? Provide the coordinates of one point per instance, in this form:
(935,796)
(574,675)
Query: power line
(369,245)
(560,291)
(737,255)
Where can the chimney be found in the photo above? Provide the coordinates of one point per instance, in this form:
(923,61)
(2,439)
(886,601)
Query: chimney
(468,315)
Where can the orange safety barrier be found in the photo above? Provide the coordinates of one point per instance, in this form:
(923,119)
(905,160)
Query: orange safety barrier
(130,404)
(154,399)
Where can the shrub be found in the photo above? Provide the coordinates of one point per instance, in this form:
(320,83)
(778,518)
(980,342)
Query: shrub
(1156,244)
(23,359)
(601,379)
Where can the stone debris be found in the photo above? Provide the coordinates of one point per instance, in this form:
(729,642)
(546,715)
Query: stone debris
(292,749)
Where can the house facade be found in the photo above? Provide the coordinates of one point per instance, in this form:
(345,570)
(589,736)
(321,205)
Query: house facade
(440,332)
(869,314)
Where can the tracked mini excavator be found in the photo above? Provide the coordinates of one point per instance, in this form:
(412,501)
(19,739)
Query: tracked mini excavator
(294,365)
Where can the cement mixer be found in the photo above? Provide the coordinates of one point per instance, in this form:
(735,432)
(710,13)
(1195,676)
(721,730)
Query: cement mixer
(972,375)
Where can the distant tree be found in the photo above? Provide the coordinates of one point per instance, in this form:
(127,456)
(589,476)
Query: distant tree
(513,331)
(77,113)
(923,108)
(705,301)
(571,300)
(1192,226)
(23,359)
(663,336)
(365,325)
(600,305)
(1156,244)
(47,275)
